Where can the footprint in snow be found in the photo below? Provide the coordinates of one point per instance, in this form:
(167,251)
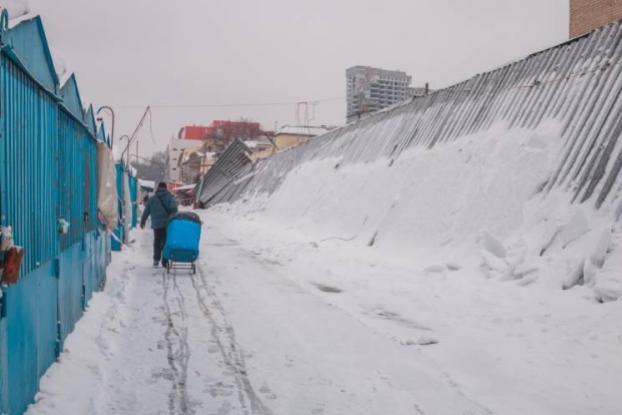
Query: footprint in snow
(225,408)
(267,392)
(327,288)
(421,341)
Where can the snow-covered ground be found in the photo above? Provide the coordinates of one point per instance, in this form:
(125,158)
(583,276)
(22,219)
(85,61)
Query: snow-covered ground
(476,202)
(277,323)
(441,282)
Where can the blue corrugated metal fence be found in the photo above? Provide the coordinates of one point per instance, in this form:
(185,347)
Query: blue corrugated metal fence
(48,172)
(119,232)
(134,197)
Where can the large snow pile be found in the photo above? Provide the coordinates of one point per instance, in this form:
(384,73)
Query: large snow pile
(428,283)
(515,172)
(475,202)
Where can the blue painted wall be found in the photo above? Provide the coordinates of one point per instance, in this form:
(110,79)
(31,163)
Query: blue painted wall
(28,156)
(47,172)
(134,196)
(32,334)
(71,299)
(119,232)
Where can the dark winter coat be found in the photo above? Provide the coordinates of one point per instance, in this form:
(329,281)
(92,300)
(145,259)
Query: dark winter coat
(160,206)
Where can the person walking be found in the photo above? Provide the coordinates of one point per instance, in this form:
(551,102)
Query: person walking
(160,207)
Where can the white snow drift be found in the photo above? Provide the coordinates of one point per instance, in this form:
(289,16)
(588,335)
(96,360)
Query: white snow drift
(474,202)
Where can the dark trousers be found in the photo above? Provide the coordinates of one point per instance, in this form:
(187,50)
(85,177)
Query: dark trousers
(159,238)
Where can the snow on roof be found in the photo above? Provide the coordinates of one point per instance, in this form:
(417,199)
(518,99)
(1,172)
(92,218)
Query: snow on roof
(309,130)
(19,10)
(61,68)
(257,142)
(186,187)
(146,183)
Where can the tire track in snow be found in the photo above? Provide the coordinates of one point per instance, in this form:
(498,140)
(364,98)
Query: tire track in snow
(178,351)
(477,408)
(224,335)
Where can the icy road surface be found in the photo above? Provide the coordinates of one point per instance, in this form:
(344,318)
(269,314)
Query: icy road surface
(299,328)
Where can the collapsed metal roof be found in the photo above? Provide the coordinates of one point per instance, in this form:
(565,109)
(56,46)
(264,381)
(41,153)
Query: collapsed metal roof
(577,83)
(234,162)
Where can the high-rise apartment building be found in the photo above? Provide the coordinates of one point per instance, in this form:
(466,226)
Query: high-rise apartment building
(371,89)
(587,15)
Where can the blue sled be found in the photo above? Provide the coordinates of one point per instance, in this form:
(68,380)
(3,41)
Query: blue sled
(183,234)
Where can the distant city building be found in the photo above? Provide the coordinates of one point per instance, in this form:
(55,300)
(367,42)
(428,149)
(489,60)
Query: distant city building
(293,135)
(220,133)
(197,147)
(174,152)
(261,147)
(284,138)
(193,163)
(194,132)
(372,89)
(587,15)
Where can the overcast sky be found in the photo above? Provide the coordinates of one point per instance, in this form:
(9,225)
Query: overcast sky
(195,52)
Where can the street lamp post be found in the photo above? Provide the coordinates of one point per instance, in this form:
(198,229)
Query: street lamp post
(109,109)
(124,136)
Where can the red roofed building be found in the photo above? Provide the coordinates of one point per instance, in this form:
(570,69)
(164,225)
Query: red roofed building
(213,138)
(221,129)
(194,132)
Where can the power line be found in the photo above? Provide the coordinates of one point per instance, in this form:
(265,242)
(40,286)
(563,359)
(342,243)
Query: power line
(151,127)
(227,105)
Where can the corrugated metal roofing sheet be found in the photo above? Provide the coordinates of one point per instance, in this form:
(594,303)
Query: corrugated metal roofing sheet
(577,83)
(231,163)
(29,43)
(89,119)
(70,94)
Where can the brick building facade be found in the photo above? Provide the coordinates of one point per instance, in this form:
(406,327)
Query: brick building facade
(587,15)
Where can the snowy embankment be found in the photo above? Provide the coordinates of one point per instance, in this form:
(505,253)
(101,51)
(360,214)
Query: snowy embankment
(474,203)
(455,247)
(442,282)
(274,324)
(430,285)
